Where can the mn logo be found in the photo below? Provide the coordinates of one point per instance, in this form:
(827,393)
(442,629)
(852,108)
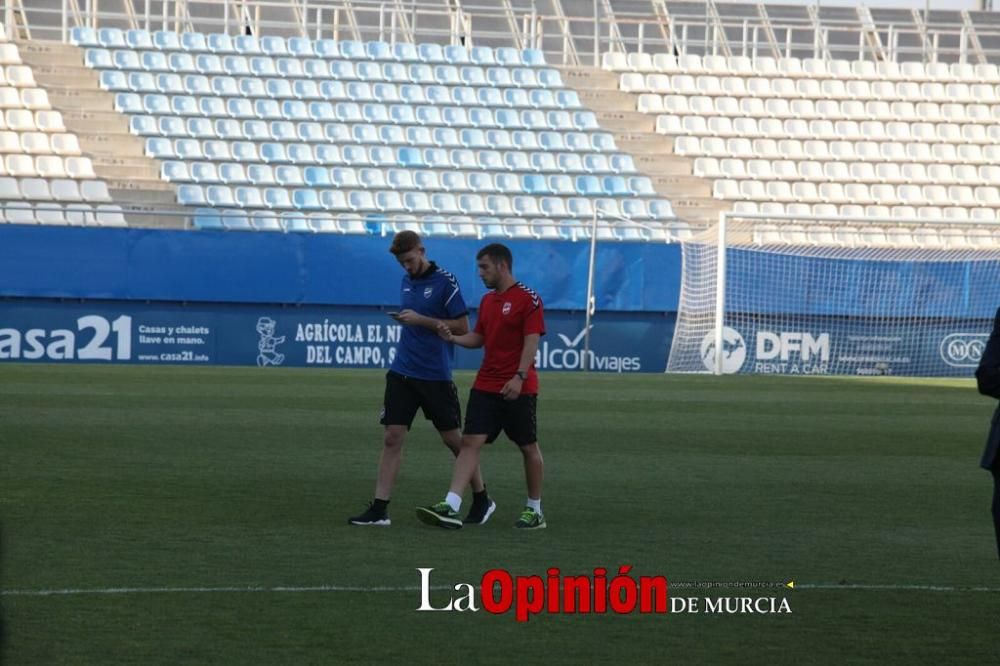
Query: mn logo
(506,308)
(428,291)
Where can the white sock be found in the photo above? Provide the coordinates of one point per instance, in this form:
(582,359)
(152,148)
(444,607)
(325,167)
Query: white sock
(454,501)
(534,504)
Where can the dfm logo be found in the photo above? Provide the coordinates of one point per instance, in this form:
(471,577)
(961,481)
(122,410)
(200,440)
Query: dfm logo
(963,350)
(734,351)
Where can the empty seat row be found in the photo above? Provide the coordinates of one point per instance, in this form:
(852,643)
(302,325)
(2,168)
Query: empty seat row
(847,172)
(807,109)
(857,193)
(315,68)
(847,151)
(847,130)
(302,47)
(35,99)
(872,236)
(39,143)
(447,203)
(329,90)
(814,89)
(321,222)
(79,214)
(25,120)
(400,114)
(46,166)
(17,76)
(795,68)
(871,211)
(305,154)
(40,189)
(234,173)
(340,133)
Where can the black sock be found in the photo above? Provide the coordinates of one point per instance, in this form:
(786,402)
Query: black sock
(480,495)
(380,505)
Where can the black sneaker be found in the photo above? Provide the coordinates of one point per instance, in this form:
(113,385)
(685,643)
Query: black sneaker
(480,512)
(371,517)
(440,515)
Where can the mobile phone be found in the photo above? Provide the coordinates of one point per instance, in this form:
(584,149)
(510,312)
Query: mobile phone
(394,315)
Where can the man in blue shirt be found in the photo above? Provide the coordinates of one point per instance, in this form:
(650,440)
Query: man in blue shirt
(420,374)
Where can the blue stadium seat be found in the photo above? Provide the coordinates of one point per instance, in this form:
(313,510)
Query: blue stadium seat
(490,97)
(479,117)
(440,95)
(191,195)
(535,184)
(641,186)
(507,183)
(447,75)
(223,86)
(445,137)
(405,52)
(166,40)
(580,207)
(233,174)
(391,134)
(262,66)
(333,200)
(251,86)
(615,186)
(235,220)
(569,162)
(183,105)
(388,201)
(267,109)
(385,93)
(608,207)
(114,81)
(236,65)
(596,163)
(410,157)
(509,57)
(246,44)
(353,50)
(482,55)
(257,130)
(481,182)
(660,208)
(543,161)
(301,153)
(507,118)
(249,197)
(294,222)
(322,111)
(317,176)
(454,116)
(199,127)
(526,206)
(444,203)
(589,185)
(289,67)
(454,181)
(347,112)
(276,46)
(245,151)
(278,89)
(622,163)
(533,57)
(549,78)
(174,171)
(585,121)
(209,64)
(220,195)
(342,70)
(635,209)
(360,201)
(431,53)
(419,136)
(551,141)
(516,98)
(559,119)
(211,107)
(277,198)
(273,153)
(301,47)
(98,59)
(561,184)
(524,77)
(553,207)
(143,126)
(473,76)
(306,199)
(429,115)
(220,43)
(375,113)
(426,180)
(193,41)
(154,61)
(456,55)
(295,109)
(464,96)
(382,156)
(516,160)
(378,51)
(567,99)
(490,160)
(206,219)
(326,154)
(126,59)
(182,63)
(499,205)
(355,155)
(473,138)
(542,99)
(139,40)
(188,149)
(306,90)
(337,132)
(578,141)
(369,71)
(525,139)
(603,142)
(111,38)
(499,138)
(172,126)
(400,179)
(412,94)
(309,132)
(129,103)
(327,48)
(83,36)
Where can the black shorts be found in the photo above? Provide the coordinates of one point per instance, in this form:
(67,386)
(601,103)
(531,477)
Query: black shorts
(488,414)
(404,395)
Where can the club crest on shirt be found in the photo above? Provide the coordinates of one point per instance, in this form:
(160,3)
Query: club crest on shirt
(428,291)
(506,308)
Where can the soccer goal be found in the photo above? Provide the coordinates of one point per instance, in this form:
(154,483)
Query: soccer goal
(836,296)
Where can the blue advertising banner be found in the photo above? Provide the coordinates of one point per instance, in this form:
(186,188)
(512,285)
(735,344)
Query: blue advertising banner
(335,337)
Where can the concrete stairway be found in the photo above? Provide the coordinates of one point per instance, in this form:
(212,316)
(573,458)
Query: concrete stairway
(118,156)
(635,133)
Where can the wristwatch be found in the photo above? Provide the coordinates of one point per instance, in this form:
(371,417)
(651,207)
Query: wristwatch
(523,374)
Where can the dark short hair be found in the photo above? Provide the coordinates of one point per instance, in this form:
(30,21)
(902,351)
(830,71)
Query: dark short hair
(497,252)
(405,241)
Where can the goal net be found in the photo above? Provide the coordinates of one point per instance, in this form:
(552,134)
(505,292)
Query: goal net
(844,296)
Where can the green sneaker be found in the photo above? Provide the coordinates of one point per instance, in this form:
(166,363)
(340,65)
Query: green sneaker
(530,520)
(440,515)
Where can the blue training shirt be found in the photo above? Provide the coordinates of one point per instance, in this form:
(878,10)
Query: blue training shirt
(422,354)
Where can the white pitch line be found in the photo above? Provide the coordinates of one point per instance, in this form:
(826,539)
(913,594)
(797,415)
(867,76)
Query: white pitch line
(254,589)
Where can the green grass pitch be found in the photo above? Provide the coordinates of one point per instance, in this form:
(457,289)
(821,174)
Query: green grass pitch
(215,480)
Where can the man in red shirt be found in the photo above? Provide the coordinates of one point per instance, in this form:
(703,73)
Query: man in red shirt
(505,393)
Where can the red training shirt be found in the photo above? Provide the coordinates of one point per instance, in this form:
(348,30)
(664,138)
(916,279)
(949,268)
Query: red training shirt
(503,321)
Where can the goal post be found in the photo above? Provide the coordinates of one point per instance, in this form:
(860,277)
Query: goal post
(774,294)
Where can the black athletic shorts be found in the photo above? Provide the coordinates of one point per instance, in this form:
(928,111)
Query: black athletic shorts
(405,395)
(488,414)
